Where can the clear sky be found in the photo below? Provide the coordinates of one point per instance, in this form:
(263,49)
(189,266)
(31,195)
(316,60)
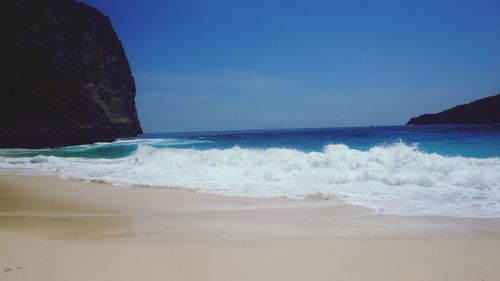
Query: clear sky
(222,65)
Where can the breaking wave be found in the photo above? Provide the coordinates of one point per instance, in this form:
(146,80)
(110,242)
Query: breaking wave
(394,179)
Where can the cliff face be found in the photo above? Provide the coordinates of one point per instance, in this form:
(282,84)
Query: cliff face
(65,78)
(485,110)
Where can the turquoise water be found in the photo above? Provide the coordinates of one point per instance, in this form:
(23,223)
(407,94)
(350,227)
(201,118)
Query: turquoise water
(450,140)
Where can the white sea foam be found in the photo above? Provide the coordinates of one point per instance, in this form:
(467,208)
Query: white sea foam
(396,179)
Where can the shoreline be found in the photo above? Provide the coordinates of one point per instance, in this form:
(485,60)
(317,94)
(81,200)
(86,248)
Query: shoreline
(56,229)
(397,178)
(310,198)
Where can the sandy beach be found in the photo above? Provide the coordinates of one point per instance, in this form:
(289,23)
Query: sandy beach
(54,229)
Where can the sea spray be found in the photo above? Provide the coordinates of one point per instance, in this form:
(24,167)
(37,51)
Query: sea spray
(393,179)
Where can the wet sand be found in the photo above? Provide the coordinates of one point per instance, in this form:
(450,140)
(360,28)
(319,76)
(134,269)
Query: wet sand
(54,229)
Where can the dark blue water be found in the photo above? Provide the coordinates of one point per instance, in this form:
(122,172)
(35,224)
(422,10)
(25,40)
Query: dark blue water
(450,140)
(480,141)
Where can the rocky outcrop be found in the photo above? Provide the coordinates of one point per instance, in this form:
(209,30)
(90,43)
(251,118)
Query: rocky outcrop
(65,78)
(485,110)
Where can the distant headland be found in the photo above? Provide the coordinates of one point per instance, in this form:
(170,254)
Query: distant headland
(485,110)
(65,77)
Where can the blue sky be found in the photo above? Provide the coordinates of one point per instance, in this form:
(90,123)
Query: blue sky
(223,65)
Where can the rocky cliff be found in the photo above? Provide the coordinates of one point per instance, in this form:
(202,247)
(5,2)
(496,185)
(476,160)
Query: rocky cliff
(65,78)
(485,110)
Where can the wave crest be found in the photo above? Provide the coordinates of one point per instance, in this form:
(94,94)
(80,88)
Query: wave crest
(396,179)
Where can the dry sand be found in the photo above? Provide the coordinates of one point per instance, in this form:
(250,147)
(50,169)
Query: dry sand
(53,229)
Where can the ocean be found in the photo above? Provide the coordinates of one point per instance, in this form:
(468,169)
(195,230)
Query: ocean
(450,170)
